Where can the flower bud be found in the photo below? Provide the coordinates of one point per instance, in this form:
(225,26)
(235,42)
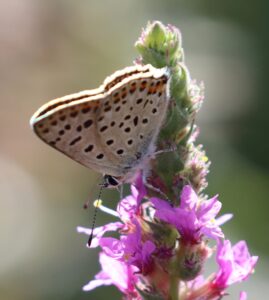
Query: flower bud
(196,168)
(190,260)
(163,234)
(160,45)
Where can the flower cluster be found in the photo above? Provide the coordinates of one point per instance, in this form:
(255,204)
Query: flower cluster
(162,244)
(159,244)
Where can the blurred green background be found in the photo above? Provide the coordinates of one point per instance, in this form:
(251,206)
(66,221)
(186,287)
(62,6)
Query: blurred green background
(55,47)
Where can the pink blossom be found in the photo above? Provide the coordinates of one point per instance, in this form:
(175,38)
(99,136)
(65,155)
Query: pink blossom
(117,273)
(192,218)
(235,264)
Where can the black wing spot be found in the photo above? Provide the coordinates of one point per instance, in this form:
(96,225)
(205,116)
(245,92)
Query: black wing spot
(86,110)
(77,139)
(46,130)
(109,142)
(145,104)
(104,128)
(88,123)
(73,114)
(100,156)
(135,121)
(89,148)
(108,108)
(120,151)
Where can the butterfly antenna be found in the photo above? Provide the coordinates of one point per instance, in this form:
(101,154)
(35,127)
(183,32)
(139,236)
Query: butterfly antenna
(120,190)
(96,206)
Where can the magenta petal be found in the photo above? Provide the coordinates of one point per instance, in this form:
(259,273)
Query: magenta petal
(84,230)
(120,274)
(161,204)
(148,248)
(127,208)
(112,247)
(243,261)
(188,199)
(241,253)
(213,232)
(223,219)
(235,263)
(140,191)
(98,232)
(243,296)
(196,283)
(208,209)
(96,283)
(192,218)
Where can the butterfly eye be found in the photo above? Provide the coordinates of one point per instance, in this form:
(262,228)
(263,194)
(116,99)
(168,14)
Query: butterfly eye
(110,181)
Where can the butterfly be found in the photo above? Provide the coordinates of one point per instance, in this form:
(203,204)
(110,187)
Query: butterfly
(111,129)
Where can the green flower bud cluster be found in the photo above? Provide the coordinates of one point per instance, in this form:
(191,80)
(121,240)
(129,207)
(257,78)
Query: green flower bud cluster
(161,46)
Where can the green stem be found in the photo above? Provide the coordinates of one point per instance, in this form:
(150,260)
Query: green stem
(174,288)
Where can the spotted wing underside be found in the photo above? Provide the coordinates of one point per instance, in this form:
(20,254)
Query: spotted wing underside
(109,129)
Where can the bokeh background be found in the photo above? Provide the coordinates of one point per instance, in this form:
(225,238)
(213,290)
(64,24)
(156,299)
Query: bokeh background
(56,47)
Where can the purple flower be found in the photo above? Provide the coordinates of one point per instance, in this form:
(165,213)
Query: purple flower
(117,273)
(128,211)
(192,218)
(235,264)
(139,253)
(129,207)
(130,249)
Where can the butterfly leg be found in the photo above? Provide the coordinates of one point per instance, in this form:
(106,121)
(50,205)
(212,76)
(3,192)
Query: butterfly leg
(120,189)
(172,148)
(153,188)
(156,190)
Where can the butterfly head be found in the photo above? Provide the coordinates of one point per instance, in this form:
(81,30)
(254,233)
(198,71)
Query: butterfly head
(111,181)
